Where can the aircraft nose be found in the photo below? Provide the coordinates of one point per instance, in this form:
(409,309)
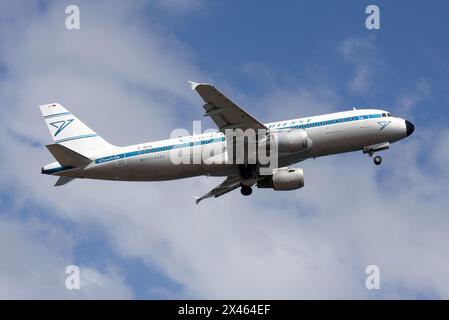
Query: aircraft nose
(410,127)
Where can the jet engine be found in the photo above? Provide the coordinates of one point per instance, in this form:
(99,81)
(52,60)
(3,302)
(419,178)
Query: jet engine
(290,141)
(283,179)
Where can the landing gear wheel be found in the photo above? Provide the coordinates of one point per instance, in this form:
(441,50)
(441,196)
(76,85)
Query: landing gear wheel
(246,191)
(377,160)
(246,171)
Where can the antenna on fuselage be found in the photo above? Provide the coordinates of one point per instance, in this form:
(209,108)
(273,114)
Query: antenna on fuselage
(353,108)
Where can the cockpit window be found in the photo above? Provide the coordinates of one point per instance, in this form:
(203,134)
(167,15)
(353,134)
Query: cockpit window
(384,115)
(390,114)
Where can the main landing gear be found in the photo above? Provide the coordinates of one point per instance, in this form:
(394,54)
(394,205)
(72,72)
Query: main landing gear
(246,191)
(248,174)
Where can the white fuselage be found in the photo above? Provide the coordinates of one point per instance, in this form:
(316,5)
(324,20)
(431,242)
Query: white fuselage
(330,134)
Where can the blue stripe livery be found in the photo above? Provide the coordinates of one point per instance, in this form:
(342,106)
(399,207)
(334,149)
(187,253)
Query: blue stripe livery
(221,139)
(57,115)
(158,149)
(76,138)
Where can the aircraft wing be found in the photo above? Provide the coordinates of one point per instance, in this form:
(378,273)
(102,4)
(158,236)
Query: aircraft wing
(225,113)
(231,183)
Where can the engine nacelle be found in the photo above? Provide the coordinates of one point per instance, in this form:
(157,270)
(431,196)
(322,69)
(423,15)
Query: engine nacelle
(290,141)
(283,179)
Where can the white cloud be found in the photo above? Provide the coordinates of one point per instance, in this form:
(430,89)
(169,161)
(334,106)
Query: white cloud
(128,83)
(412,98)
(363,56)
(34,259)
(179,5)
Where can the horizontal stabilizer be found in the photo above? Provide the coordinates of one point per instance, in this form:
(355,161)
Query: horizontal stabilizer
(68,157)
(63,180)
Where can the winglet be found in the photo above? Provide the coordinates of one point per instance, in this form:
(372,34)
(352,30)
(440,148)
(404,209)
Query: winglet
(194,84)
(197,199)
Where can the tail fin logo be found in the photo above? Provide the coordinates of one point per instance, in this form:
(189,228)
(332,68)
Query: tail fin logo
(61,125)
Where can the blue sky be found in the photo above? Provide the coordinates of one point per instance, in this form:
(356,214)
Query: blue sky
(300,41)
(125,74)
(296,36)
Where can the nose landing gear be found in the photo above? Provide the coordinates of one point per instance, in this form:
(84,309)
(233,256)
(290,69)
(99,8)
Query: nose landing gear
(377,160)
(376,148)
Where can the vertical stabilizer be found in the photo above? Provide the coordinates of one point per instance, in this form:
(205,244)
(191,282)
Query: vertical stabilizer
(67,130)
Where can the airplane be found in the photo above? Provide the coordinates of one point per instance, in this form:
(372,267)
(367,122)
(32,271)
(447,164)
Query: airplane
(81,153)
